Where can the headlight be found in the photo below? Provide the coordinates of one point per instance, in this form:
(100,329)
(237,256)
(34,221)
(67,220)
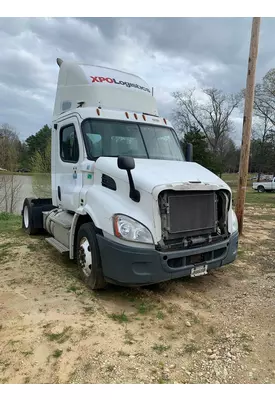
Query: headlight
(234,222)
(129,229)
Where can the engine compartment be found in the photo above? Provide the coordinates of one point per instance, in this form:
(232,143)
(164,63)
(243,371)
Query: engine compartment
(192,219)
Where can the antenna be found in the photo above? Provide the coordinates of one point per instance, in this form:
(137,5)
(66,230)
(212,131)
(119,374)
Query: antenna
(152,91)
(59,61)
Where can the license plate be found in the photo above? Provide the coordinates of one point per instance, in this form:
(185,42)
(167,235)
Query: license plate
(198,271)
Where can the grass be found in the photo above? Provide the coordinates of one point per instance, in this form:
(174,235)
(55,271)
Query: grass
(252,197)
(59,337)
(160,315)
(121,318)
(144,307)
(9,222)
(160,348)
(57,353)
(255,198)
(5,216)
(73,289)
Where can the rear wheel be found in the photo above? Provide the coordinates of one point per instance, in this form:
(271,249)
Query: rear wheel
(27,218)
(88,257)
(261,189)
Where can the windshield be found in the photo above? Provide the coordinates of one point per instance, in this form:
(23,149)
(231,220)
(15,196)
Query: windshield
(112,138)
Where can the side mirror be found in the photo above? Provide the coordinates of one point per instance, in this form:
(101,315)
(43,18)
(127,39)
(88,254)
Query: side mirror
(127,163)
(189,152)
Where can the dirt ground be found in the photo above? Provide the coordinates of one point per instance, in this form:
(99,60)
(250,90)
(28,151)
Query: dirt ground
(219,328)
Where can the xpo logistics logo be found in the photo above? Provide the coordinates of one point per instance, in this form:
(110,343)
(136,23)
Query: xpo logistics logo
(100,79)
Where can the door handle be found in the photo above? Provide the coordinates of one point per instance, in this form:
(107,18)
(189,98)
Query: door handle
(59,193)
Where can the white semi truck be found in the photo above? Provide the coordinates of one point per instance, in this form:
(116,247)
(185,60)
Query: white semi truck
(126,203)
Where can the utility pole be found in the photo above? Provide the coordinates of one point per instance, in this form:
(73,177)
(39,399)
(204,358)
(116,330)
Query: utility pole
(247,121)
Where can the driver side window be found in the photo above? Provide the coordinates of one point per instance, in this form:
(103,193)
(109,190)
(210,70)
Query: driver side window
(69,149)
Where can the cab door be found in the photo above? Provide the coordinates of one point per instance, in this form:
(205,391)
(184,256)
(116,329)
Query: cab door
(69,156)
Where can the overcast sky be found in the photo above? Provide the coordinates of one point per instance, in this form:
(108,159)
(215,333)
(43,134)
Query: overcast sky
(169,53)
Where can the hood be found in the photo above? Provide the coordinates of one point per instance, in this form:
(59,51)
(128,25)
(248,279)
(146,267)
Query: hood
(148,173)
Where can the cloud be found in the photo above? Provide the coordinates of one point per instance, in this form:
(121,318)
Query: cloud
(169,53)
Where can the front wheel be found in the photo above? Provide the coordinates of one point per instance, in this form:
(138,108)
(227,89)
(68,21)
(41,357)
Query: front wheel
(88,257)
(261,189)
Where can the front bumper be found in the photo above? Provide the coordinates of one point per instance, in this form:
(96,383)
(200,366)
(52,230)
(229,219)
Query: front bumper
(131,266)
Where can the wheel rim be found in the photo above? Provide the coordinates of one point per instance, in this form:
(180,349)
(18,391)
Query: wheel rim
(85,256)
(26,217)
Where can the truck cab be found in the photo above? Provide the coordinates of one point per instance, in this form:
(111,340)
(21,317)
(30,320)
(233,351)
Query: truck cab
(127,204)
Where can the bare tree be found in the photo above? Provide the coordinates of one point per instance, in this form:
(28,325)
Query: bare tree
(41,164)
(9,192)
(9,154)
(264,102)
(264,124)
(262,147)
(9,147)
(212,115)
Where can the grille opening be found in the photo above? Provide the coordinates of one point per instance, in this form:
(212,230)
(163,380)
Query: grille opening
(176,262)
(197,258)
(191,219)
(220,252)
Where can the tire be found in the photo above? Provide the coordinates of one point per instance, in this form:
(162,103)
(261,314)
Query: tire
(27,218)
(88,257)
(261,189)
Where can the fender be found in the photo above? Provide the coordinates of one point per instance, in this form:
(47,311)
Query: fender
(81,211)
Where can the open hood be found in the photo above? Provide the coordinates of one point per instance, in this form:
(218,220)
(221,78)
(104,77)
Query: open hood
(149,174)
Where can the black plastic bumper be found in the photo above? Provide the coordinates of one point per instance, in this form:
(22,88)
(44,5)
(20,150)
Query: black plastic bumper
(131,266)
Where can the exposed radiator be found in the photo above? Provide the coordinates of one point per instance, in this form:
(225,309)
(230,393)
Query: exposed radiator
(192,212)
